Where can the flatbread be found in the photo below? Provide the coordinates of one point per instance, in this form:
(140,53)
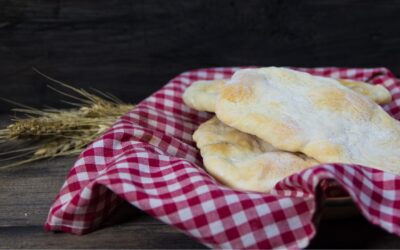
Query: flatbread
(298,112)
(377,93)
(202,95)
(244,161)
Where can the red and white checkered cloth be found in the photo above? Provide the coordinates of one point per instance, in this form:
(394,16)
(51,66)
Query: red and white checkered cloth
(149,159)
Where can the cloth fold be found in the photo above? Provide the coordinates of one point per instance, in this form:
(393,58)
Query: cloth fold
(148,158)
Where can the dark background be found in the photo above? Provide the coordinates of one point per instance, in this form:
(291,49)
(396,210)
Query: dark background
(132,48)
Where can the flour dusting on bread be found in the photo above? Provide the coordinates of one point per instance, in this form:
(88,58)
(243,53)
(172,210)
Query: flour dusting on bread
(318,116)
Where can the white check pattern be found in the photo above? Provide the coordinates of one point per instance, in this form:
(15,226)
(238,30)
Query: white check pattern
(149,159)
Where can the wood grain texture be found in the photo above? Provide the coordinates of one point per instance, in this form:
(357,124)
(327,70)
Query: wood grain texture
(135,234)
(132,48)
(26,193)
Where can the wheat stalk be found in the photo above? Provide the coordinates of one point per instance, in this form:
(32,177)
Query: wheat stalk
(54,132)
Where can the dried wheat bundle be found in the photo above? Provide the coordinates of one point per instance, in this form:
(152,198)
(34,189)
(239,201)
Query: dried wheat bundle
(52,132)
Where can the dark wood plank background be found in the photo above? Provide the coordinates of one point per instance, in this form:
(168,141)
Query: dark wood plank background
(132,48)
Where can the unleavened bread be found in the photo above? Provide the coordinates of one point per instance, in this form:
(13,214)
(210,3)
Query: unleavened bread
(298,112)
(244,161)
(202,95)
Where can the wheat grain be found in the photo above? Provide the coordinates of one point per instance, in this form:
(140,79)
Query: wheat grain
(63,132)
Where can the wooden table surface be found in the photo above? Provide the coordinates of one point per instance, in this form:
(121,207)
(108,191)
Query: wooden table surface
(132,48)
(26,193)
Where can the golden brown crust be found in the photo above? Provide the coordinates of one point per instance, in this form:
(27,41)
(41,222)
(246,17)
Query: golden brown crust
(238,93)
(377,93)
(244,161)
(317,116)
(201,95)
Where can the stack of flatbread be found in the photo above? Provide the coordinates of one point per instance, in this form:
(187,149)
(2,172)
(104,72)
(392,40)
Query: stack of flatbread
(272,122)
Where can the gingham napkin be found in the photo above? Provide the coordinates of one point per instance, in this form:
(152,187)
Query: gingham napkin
(149,159)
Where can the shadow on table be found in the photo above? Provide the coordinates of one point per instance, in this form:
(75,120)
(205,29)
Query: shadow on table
(353,231)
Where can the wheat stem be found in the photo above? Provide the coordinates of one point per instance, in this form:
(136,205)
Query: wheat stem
(17,151)
(57,132)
